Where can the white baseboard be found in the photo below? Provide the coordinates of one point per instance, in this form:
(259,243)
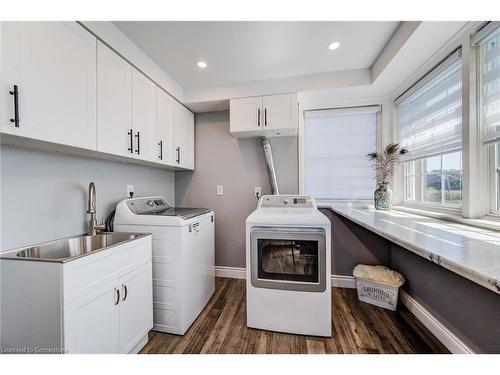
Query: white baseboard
(231,272)
(339,281)
(443,334)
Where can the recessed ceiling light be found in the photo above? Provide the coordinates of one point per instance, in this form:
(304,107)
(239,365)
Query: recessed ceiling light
(202,64)
(334,45)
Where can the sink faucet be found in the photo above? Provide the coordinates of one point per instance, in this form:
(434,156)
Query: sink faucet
(93,227)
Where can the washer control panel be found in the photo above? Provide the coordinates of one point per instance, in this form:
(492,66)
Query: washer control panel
(146,205)
(292,201)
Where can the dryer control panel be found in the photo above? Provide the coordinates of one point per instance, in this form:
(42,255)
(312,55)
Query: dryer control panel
(292,201)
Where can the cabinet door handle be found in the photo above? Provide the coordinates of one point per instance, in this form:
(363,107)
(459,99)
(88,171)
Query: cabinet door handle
(15,93)
(117,293)
(258,117)
(161,150)
(125,292)
(138,136)
(265,116)
(131,148)
(178,150)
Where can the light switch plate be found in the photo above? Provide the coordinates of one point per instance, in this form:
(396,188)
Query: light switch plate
(220,190)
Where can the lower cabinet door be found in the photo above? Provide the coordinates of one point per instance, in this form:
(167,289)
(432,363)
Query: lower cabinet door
(92,323)
(136,306)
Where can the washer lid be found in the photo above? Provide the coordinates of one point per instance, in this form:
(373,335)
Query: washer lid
(182,212)
(158,206)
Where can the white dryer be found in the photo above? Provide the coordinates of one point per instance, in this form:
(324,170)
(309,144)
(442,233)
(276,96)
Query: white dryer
(288,255)
(183,257)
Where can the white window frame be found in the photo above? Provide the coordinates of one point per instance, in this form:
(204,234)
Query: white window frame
(492,184)
(475,159)
(420,204)
(383,121)
(419,191)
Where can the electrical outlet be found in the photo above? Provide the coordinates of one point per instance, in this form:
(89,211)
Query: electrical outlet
(220,190)
(130,191)
(258,192)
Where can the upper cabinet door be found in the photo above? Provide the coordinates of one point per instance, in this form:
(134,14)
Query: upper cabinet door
(136,306)
(246,114)
(184,137)
(114,103)
(280,111)
(144,117)
(53,64)
(165,127)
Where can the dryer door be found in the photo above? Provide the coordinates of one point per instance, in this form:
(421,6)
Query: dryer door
(288,258)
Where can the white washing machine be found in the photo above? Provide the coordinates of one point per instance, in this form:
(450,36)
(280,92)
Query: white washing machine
(288,255)
(183,257)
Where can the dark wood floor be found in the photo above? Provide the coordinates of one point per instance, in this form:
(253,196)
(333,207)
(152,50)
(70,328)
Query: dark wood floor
(357,327)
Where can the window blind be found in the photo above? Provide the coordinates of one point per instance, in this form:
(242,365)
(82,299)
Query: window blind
(490,88)
(429,116)
(485,32)
(336,142)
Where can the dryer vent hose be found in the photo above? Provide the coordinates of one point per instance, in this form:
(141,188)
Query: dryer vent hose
(110,220)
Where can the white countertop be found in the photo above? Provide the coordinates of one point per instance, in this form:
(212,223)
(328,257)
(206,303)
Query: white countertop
(471,252)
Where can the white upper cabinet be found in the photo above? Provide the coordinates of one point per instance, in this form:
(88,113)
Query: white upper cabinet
(246,114)
(53,66)
(144,117)
(184,137)
(280,112)
(61,85)
(114,103)
(165,127)
(264,116)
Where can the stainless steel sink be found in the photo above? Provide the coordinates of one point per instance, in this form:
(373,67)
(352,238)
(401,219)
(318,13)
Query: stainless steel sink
(71,248)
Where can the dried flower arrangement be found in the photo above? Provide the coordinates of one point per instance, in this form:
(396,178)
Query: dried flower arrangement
(385,162)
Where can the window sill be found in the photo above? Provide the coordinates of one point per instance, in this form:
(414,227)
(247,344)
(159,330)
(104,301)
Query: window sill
(487,222)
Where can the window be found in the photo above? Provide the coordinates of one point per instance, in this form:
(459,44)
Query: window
(429,125)
(336,142)
(489,53)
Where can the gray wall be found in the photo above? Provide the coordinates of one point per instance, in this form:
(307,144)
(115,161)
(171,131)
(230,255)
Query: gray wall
(353,245)
(44,195)
(239,166)
(469,310)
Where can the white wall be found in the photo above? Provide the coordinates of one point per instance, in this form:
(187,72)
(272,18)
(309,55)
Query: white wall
(44,195)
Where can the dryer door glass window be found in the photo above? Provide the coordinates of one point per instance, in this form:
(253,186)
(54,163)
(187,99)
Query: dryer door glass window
(290,260)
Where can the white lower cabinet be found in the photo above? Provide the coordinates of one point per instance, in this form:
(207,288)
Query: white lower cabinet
(136,291)
(92,324)
(100,303)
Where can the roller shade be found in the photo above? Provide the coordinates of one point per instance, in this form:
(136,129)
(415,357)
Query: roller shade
(485,32)
(336,142)
(490,88)
(429,117)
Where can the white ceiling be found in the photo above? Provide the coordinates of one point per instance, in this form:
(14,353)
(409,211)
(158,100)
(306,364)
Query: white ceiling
(238,52)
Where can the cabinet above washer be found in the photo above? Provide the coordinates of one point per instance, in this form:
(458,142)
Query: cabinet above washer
(264,116)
